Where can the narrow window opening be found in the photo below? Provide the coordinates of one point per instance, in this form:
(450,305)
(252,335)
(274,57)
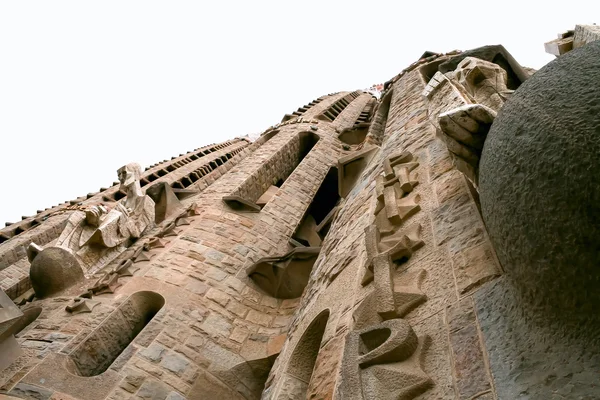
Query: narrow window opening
(254,193)
(102,347)
(316,222)
(302,363)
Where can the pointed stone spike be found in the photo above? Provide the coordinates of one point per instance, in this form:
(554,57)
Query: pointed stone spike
(142,257)
(408,207)
(182,221)
(154,243)
(407,292)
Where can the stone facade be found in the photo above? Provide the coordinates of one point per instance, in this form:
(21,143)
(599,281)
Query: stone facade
(343,254)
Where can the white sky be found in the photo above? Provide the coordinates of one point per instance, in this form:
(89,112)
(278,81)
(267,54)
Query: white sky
(86,87)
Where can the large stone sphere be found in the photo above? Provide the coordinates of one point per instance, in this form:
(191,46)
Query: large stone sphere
(540,187)
(53,270)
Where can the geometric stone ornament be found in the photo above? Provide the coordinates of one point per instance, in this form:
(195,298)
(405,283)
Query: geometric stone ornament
(464,131)
(485,81)
(80,305)
(10,316)
(106,284)
(384,362)
(284,277)
(125,268)
(397,248)
(154,243)
(391,298)
(166,202)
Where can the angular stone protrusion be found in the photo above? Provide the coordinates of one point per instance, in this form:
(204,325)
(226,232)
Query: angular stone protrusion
(80,305)
(142,257)
(391,205)
(166,203)
(125,268)
(238,203)
(402,246)
(382,271)
(402,173)
(106,284)
(182,221)
(154,243)
(285,277)
(10,317)
(465,130)
(406,206)
(407,292)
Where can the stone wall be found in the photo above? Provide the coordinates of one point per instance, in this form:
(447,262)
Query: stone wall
(455,260)
(217,332)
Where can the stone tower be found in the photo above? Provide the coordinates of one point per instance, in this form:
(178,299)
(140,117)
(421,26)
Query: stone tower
(359,249)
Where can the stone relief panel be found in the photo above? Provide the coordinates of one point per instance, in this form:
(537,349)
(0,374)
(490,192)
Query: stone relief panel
(383,355)
(92,238)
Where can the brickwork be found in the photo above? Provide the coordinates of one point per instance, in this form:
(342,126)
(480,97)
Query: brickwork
(454,260)
(215,319)
(14,267)
(404,291)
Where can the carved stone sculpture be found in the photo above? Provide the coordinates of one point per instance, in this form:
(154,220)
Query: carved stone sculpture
(10,316)
(465,129)
(485,81)
(384,362)
(92,237)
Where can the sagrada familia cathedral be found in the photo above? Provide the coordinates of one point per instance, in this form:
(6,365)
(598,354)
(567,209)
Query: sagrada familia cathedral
(439,242)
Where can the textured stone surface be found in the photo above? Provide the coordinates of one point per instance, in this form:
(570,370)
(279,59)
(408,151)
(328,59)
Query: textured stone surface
(528,358)
(220,336)
(540,191)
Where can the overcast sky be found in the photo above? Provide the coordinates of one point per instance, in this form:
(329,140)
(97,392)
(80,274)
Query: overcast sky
(86,87)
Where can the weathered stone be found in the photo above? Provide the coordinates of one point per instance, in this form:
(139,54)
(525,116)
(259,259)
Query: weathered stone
(154,390)
(154,352)
(175,363)
(543,212)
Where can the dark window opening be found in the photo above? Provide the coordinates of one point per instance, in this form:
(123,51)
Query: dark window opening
(316,221)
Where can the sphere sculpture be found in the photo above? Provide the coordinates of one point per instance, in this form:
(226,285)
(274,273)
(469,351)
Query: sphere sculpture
(540,188)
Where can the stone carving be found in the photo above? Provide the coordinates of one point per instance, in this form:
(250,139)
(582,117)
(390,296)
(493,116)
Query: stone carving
(81,305)
(382,356)
(92,237)
(485,81)
(391,298)
(384,362)
(465,129)
(10,317)
(167,202)
(285,277)
(394,206)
